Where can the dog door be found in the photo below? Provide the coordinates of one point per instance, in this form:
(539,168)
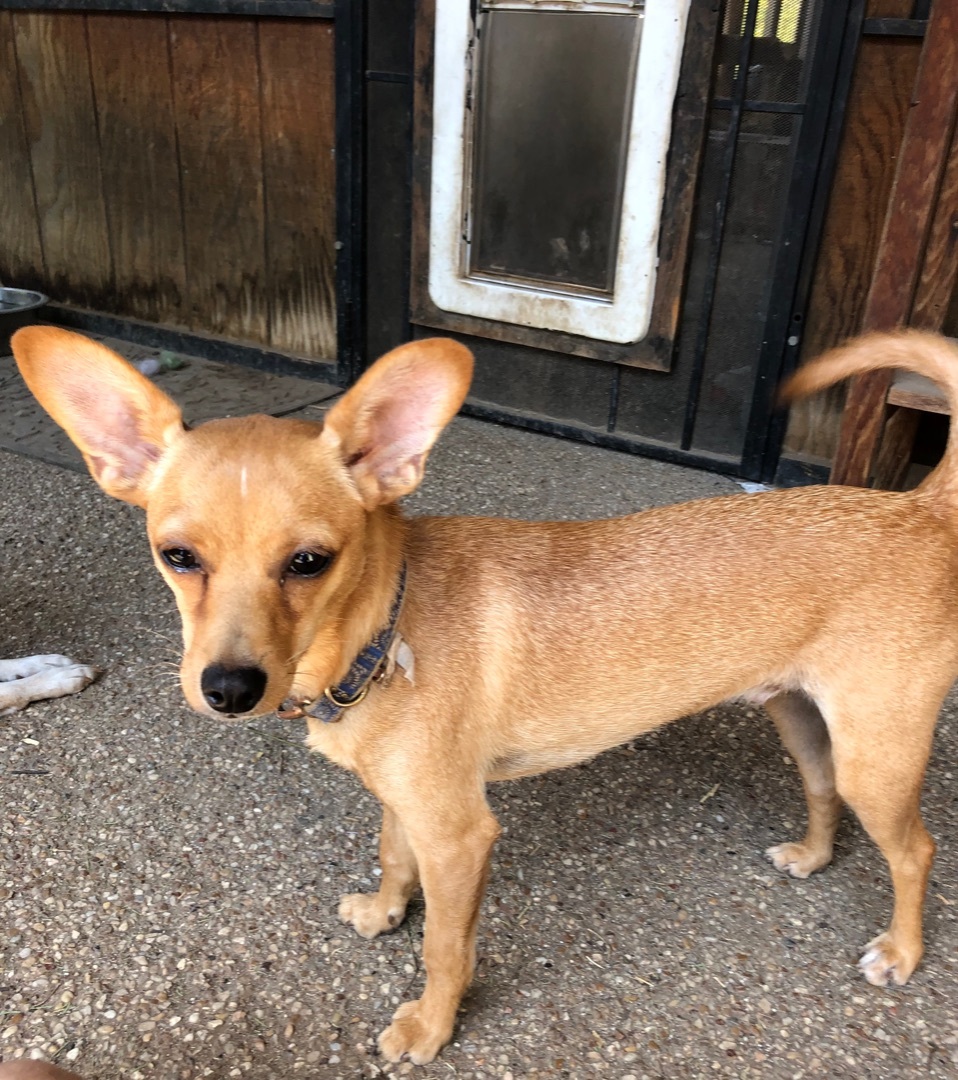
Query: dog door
(551,125)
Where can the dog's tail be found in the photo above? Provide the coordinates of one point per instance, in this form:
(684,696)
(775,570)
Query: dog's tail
(930,355)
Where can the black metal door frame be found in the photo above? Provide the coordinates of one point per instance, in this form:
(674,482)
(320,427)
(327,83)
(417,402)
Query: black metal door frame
(815,150)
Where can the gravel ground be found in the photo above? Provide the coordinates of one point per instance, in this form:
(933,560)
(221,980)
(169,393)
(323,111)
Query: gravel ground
(168,884)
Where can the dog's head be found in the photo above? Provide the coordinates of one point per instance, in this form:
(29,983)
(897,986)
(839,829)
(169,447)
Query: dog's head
(274,535)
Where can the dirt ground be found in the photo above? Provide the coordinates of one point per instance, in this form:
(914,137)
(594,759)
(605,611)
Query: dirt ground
(168,883)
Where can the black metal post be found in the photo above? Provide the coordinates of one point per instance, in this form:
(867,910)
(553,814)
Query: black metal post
(350,201)
(739,91)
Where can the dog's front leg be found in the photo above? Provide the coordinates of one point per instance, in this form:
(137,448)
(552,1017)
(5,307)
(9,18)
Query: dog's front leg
(453,851)
(375,913)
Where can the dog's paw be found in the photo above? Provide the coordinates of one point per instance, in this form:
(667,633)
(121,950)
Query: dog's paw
(885,962)
(409,1035)
(369,915)
(74,677)
(799,860)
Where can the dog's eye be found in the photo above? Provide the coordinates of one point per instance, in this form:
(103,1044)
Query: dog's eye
(308,563)
(181,559)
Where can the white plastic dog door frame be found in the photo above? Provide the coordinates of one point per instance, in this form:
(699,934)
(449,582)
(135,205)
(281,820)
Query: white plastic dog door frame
(622,317)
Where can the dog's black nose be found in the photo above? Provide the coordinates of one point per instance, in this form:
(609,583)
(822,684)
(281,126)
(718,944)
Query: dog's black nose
(232,689)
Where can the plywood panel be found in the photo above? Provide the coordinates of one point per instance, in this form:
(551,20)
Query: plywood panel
(217,109)
(129,63)
(874,125)
(298,104)
(21,253)
(61,131)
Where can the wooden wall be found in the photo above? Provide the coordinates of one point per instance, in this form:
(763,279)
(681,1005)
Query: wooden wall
(177,169)
(950,325)
(874,123)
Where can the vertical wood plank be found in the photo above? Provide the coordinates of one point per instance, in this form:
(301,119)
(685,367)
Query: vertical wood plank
(298,103)
(423,76)
(939,271)
(21,252)
(928,134)
(950,324)
(61,131)
(129,63)
(686,151)
(216,104)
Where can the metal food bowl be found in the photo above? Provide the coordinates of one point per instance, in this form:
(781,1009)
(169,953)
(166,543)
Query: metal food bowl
(18,307)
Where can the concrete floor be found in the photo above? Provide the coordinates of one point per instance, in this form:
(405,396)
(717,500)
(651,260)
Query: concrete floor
(168,884)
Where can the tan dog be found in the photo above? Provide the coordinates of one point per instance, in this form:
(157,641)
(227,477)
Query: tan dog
(836,608)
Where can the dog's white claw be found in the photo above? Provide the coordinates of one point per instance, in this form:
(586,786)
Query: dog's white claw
(874,970)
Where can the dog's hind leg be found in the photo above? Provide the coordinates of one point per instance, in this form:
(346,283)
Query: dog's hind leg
(880,764)
(805,736)
(376,913)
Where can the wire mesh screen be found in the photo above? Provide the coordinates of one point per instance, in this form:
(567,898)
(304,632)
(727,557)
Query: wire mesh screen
(753,219)
(780,42)
(762,88)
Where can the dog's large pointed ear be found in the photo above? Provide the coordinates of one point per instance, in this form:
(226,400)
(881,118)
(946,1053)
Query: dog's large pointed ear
(385,426)
(120,422)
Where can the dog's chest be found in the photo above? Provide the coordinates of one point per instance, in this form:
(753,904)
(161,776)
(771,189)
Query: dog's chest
(337,741)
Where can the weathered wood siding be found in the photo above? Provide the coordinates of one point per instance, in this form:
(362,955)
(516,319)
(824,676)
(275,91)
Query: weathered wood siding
(177,169)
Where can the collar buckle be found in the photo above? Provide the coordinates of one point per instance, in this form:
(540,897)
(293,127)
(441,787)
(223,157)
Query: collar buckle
(347,703)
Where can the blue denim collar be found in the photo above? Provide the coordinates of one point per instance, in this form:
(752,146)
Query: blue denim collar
(368,667)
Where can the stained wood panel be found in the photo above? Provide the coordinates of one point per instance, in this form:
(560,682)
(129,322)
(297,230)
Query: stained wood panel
(130,69)
(874,125)
(939,271)
(888,9)
(950,324)
(21,253)
(173,168)
(216,104)
(298,132)
(60,123)
(921,192)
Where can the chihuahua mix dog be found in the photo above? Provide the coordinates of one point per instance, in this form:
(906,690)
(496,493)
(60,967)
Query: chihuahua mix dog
(434,655)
